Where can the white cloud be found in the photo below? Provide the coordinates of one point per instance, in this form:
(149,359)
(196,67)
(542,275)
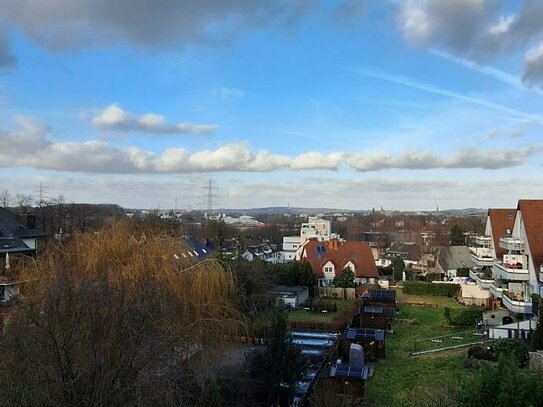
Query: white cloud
(31,148)
(114,117)
(533,66)
(332,192)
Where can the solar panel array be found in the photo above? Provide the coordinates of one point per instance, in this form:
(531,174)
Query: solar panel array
(373,310)
(363,333)
(382,294)
(350,372)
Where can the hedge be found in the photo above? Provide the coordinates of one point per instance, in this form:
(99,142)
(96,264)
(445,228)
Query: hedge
(463,316)
(437,289)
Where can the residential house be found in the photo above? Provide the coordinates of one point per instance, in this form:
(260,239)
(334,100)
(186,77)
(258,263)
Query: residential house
(19,236)
(329,259)
(452,258)
(518,273)
(410,252)
(486,248)
(314,228)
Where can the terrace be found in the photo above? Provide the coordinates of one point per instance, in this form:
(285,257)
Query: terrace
(516,303)
(482,280)
(511,271)
(496,290)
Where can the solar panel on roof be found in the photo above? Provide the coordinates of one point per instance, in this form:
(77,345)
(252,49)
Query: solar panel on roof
(373,310)
(350,371)
(364,333)
(382,294)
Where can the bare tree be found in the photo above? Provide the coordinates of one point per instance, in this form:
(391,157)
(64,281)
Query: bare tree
(5,199)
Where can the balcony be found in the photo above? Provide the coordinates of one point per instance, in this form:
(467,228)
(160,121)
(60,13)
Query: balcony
(515,303)
(482,256)
(512,243)
(482,282)
(483,241)
(509,273)
(496,290)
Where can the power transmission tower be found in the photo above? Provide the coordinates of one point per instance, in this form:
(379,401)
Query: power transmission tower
(211,203)
(41,190)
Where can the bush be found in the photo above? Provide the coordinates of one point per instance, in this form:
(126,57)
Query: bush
(442,290)
(511,348)
(462,272)
(463,316)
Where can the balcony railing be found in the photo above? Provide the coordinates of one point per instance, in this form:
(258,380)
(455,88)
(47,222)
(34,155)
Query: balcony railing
(512,243)
(481,258)
(508,272)
(496,290)
(515,303)
(482,282)
(483,240)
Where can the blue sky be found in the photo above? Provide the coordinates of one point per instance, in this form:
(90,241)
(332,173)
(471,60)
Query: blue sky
(347,104)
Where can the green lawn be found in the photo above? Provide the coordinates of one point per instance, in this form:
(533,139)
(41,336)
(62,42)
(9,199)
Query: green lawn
(306,315)
(402,380)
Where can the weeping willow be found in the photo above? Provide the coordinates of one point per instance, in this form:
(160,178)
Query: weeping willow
(111,314)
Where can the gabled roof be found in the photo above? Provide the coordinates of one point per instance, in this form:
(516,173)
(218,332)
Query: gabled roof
(501,221)
(532,215)
(455,257)
(340,253)
(13,245)
(197,247)
(407,251)
(12,225)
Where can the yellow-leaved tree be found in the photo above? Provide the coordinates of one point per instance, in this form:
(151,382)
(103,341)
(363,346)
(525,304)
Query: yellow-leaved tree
(109,319)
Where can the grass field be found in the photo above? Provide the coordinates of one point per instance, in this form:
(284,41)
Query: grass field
(306,315)
(402,380)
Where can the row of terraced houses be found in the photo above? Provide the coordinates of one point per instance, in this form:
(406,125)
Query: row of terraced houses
(511,252)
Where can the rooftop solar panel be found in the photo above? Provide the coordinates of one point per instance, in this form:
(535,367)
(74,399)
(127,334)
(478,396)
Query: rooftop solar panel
(382,294)
(349,371)
(363,333)
(373,310)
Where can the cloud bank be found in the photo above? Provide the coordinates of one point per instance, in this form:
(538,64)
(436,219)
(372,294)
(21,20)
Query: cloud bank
(65,24)
(30,147)
(475,29)
(114,117)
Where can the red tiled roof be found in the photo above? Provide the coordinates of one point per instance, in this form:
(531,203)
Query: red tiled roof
(532,215)
(340,254)
(501,221)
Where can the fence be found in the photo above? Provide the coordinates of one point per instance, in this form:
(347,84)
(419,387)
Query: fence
(445,342)
(339,293)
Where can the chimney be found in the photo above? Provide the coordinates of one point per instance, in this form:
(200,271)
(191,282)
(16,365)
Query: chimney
(29,221)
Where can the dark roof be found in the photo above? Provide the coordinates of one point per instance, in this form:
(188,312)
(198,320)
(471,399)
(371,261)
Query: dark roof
(532,216)
(340,253)
(382,295)
(9,245)
(197,247)
(407,251)
(455,257)
(13,231)
(12,225)
(501,221)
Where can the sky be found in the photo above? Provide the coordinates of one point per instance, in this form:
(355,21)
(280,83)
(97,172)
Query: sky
(352,104)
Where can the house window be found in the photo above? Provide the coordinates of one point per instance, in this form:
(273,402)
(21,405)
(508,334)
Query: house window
(328,269)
